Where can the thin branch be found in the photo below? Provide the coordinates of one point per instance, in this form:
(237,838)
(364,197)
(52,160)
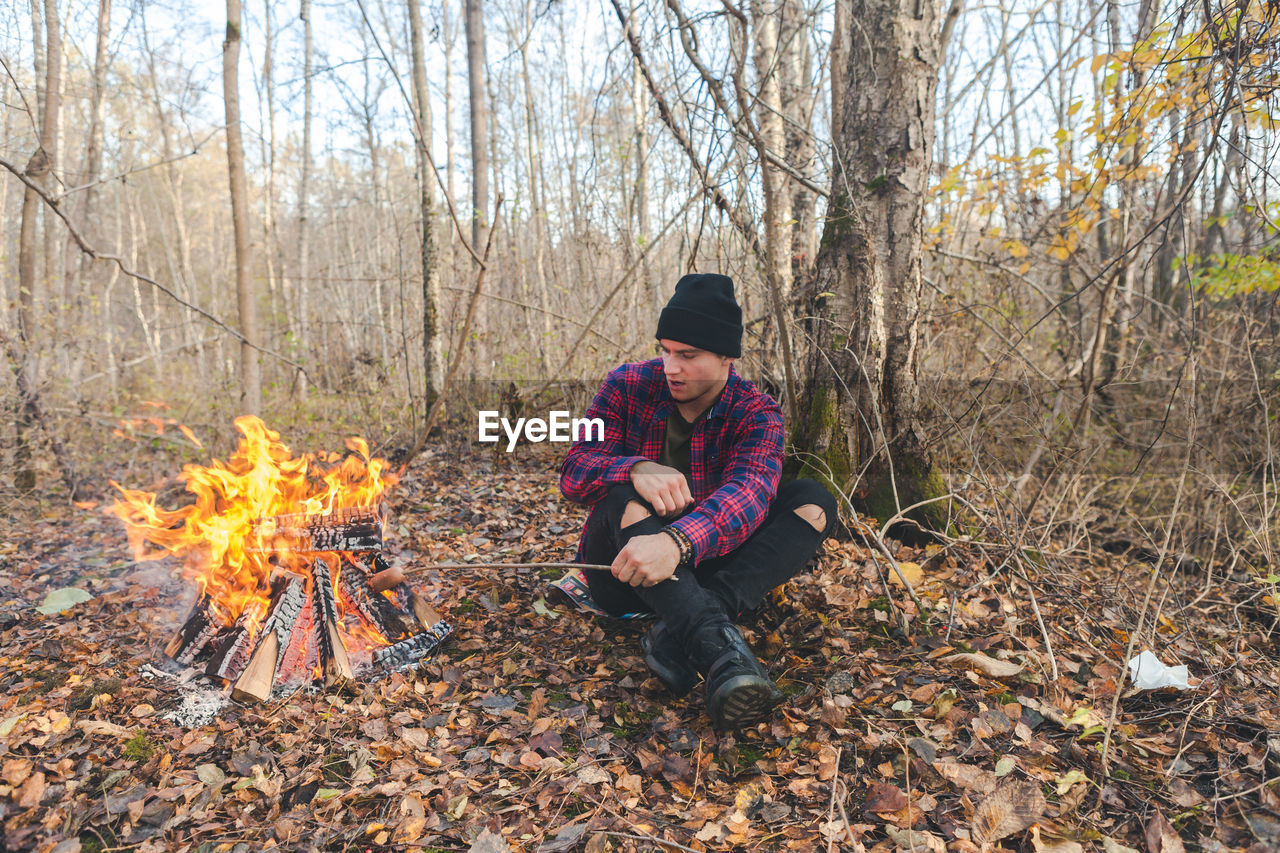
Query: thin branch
(119,262)
(668,118)
(194,151)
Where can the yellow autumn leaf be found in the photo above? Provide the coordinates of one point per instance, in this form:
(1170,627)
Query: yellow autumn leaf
(1016,248)
(911,571)
(1098,61)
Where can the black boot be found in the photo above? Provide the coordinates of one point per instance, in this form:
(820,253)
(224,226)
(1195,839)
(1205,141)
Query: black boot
(738,688)
(666,658)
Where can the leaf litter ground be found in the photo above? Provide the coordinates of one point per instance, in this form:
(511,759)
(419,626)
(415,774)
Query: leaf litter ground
(538,728)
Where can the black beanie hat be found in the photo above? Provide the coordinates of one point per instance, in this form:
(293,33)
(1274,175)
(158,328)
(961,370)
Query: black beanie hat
(703,313)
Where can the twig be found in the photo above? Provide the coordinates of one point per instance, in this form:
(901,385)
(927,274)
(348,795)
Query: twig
(651,839)
(831,808)
(431,567)
(1035,607)
(427,567)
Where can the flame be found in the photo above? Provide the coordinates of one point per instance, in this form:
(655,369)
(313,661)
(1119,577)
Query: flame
(216,537)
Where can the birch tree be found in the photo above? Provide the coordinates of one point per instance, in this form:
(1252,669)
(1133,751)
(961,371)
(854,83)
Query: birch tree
(862,432)
(250,367)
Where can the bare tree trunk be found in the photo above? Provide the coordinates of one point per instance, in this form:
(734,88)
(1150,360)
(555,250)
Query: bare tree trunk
(250,366)
(839,61)
(798,96)
(777,200)
(535,197)
(474,14)
(651,299)
(93,145)
(39,168)
(450,33)
(276,281)
(432,342)
(304,201)
(51,141)
(862,429)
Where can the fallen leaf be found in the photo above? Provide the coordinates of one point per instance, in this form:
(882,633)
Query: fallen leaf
(911,571)
(967,776)
(987,665)
(63,599)
(6,728)
(592,775)
(1068,779)
(1161,837)
(566,839)
(31,791)
(915,841)
(827,768)
(1012,808)
(16,771)
(489,841)
(884,797)
(1053,845)
(211,775)
(102,727)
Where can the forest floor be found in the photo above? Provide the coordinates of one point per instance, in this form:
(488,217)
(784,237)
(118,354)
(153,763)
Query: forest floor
(538,728)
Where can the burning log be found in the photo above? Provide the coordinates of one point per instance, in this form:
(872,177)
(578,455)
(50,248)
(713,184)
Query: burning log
(231,652)
(373,608)
(406,653)
(324,613)
(350,529)
(199,628)
(288,600)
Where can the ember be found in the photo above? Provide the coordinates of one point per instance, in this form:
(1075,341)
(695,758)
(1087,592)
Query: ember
(284,552)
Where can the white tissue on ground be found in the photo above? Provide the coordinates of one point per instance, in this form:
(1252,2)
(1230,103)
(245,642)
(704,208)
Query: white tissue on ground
(1148,673)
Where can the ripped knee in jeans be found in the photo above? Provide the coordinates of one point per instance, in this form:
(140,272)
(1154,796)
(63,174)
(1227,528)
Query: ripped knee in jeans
(811,513)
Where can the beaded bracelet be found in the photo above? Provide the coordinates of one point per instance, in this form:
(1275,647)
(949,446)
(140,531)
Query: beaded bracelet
(684,543)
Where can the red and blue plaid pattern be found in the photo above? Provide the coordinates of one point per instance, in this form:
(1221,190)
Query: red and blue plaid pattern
(736,451)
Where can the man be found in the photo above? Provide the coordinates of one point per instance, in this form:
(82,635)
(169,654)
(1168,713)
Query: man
(686,508)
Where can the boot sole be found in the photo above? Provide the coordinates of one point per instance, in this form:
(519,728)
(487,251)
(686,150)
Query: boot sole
(746,699)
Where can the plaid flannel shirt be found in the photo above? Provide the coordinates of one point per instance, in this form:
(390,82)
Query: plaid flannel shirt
(735,450)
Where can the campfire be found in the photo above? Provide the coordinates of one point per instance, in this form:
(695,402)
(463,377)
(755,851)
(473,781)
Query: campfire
(286,556)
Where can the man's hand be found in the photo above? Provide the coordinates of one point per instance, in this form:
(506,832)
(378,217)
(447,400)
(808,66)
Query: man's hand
(646,560)
(664,488)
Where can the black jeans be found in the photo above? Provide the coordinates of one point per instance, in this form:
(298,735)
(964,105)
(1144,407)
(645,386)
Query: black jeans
(731,584)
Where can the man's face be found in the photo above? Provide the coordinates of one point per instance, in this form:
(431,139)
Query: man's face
(694,376)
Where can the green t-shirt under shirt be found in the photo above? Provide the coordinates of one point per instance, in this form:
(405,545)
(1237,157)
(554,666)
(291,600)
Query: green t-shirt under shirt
(676,446)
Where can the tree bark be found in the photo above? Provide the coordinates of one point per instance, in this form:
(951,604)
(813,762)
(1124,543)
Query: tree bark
(304,201)
(798,98)
(862,433)
(474,22)
(39,168)
(432,348)
(93,145)
(250,366)
(534,151)
(51,141)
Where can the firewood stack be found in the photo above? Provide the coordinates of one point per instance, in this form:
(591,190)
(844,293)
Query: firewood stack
(296,626)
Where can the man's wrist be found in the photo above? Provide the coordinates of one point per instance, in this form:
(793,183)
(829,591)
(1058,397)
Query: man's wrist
(684,543)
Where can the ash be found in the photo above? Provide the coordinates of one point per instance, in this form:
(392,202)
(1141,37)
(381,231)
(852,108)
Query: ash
(198,707)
